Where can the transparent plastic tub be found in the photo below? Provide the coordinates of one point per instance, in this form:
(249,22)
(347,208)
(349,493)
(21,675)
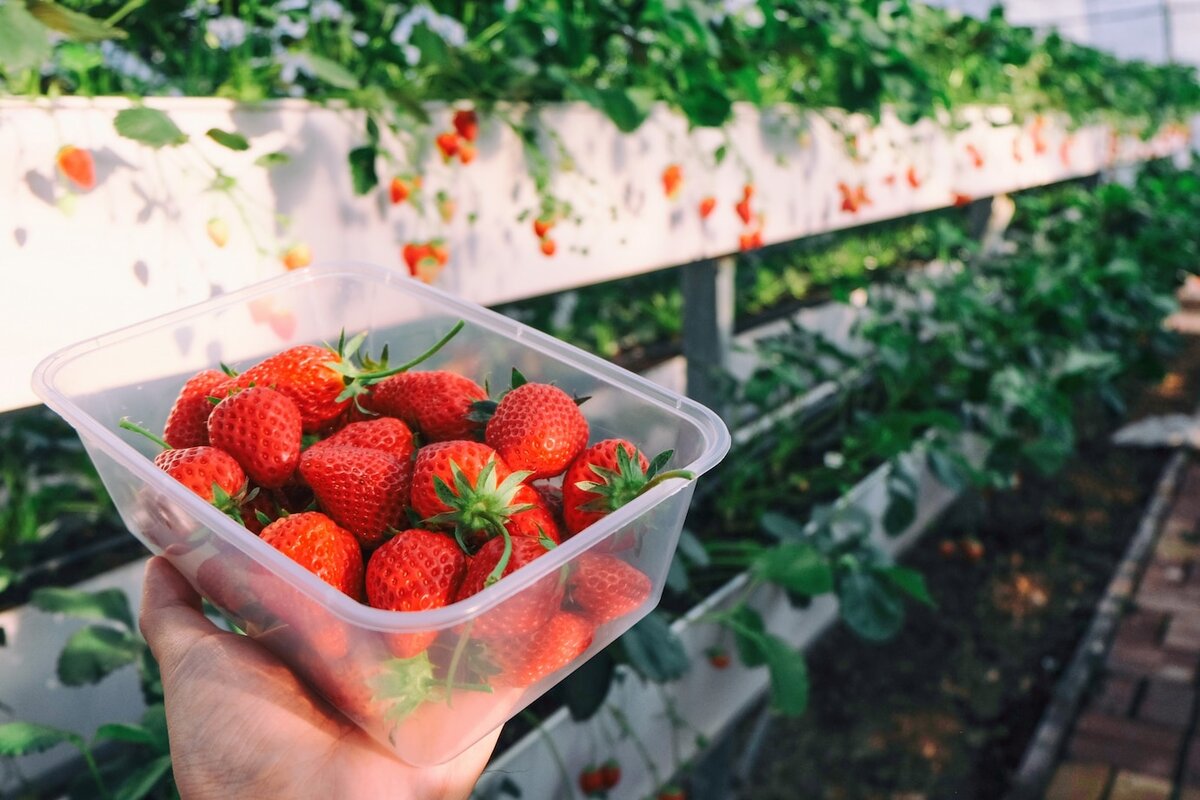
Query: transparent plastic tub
(426,709)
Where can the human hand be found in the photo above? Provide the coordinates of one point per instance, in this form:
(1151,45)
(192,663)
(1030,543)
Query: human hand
(242,725)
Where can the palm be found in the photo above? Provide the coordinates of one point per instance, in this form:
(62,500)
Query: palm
(242,725)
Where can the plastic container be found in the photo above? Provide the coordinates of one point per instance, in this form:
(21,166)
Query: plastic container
(427,708)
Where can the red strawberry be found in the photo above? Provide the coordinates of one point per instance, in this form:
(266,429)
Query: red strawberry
(315,542)
(604,587)
(748,191)
(537,427)
(415,570)
(466,124)
(913,179)
(77,165)
(524,661)
(466,152)
(542,226)
(706,206)
(435,403)
(591,780)
(364,490)
(264,503)
(304,375)
(718,657)
(187,424)
(260,428)
(672,179)
(975,156)
(211,473)
(447,143)
(959,199)
(522,614)
(610,771)
(399,191)
(387,434)
(605,477)
(548,247)
(750,241)
(536,521)
(743,210)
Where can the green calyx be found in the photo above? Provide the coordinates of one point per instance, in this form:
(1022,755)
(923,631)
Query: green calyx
(627,482)
(358,377)
(485,506)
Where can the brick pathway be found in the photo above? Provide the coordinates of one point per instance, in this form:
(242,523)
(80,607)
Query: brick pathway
(1136,735)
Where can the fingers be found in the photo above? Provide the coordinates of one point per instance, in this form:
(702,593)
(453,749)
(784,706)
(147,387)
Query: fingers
(170,618)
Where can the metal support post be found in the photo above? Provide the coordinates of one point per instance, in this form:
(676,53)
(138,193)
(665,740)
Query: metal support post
(708,311)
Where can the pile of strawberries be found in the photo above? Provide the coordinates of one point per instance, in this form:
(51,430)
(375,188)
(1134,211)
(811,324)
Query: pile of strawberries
(411,490)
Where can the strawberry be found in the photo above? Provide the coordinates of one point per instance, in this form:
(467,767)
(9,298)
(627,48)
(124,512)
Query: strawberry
(913,179)
(743,210)
(446,207)
(466,152)
(218,231)
(384,433)
(398,191)
(261,428)
(671,793)
(890,179)
(260,511)
(537,427)
(608,475)
(542,226)
(187,423)
(77,165)
(524,661)
(959,199)
(363,490)
(439,251)
(672,180)
(548,247)
(604,587)
(706,206)
(523,613)
(748,191)
(297,256)
(751,240)
(537,520)
(1016,150)
(211,473)
(975,156)
(435,403)
(466,124)
(718,657)
(610,773)
(591,780)
(415,570)
(315,542)
(447,144)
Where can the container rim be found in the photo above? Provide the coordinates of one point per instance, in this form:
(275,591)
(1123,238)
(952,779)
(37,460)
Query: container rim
(709,425)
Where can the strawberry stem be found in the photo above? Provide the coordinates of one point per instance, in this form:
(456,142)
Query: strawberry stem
(498,570)
(129,425)
(666,476)
(372,377)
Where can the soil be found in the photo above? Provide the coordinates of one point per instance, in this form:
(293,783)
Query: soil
(946,709)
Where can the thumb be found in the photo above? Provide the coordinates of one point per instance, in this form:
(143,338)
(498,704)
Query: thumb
(170,617)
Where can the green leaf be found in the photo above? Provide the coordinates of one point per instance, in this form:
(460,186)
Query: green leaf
(781,526)
(403,685)
(362,169)
(94,652)
(901,511)
(796,566)
(24,43)
(654,650)
(869,606)
(789,676)
(120,732)
(104,604)
(1078,362)
(144,780)
(909,581)
(149,126)
(622,107)
(330,72)
(748,633)
(946,469)
(585,689)
(234,141)
(72,24)
(24,738)
(275,159)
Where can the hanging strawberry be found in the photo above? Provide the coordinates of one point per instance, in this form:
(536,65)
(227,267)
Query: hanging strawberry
(672,180)
(297,256)
(78,167)
(218,231)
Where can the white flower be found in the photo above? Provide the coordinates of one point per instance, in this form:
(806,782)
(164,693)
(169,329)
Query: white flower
(291,5)
(754,17)
(359,38)
(292,28)
(327,9)
(291,65)
(449,29)
(225,32)
(550,36)
(511,5)
(858,298)
(412,54)
(834,460)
